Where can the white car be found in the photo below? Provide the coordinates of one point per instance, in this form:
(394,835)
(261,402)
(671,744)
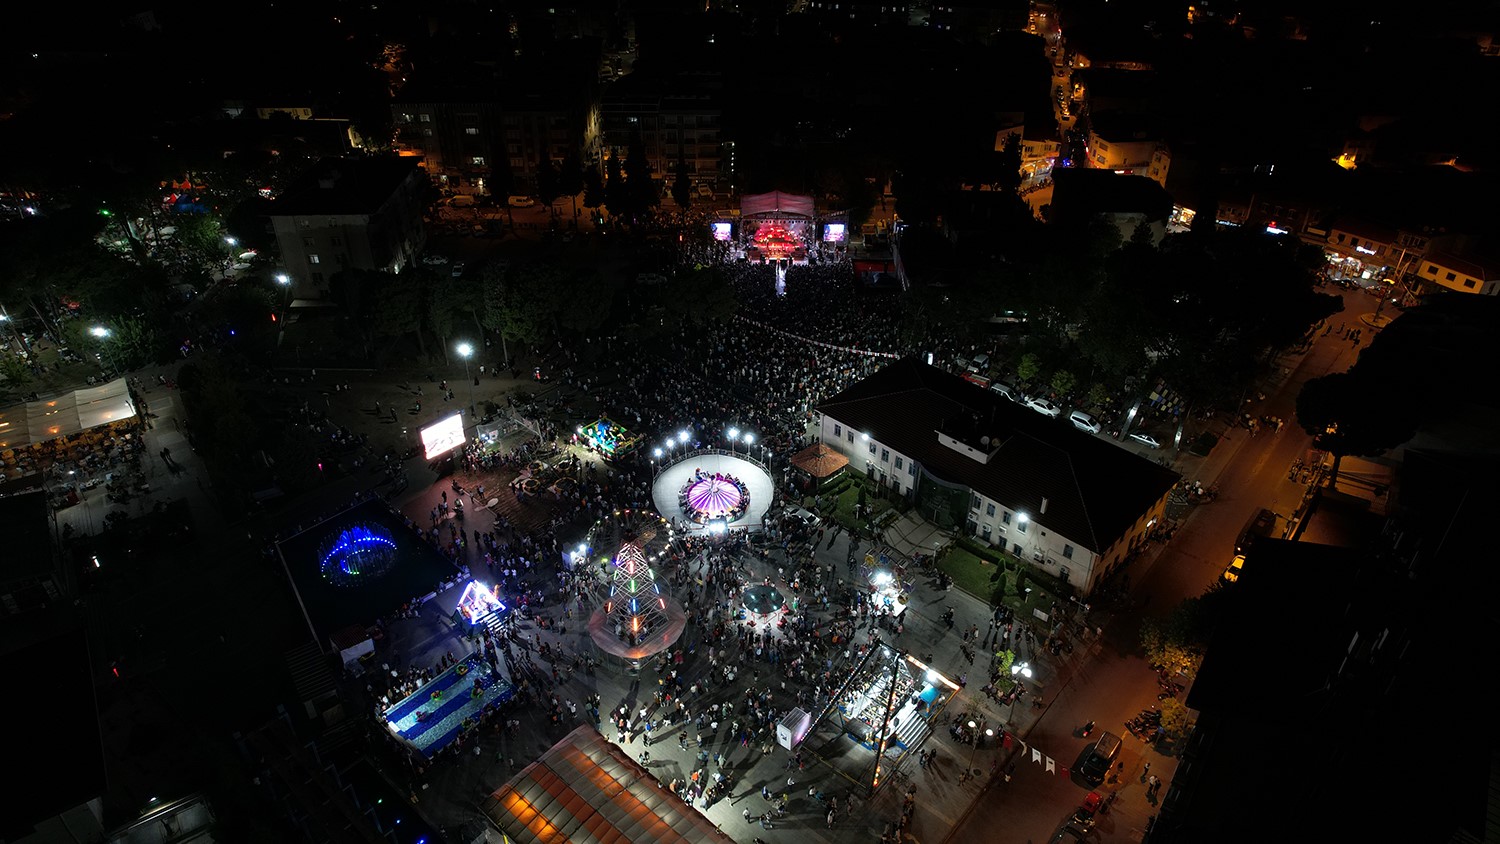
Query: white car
(1146,440)
(1044,407)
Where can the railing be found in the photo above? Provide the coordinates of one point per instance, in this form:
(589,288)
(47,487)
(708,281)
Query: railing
(668,462)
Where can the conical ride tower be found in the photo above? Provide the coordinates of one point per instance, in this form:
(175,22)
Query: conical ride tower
(638,619)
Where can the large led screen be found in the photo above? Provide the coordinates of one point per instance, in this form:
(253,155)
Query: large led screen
(443,435)
(722,230)
(834,232)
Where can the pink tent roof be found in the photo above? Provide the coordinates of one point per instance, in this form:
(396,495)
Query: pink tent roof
(775,203)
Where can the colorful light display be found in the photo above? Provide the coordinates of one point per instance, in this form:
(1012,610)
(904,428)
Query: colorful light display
(356,554)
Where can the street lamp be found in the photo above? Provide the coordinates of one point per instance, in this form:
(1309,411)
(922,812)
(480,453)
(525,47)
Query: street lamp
(466,351)
(99,331)
(286,299)
(973,748)
(682,436)
(734,434)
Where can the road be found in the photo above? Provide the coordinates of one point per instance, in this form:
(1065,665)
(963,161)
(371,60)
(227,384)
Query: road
(1115,682)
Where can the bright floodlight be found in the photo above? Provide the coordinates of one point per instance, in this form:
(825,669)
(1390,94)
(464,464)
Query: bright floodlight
(99,331)
(231,241)
(865,436)
(465,350)
(657,452)
(749,438)
(1023,518)
(682,436)
(972,725)
(668,445)
(734,433)
(283,279)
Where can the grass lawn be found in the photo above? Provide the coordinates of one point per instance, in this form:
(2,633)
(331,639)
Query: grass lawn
(969,572)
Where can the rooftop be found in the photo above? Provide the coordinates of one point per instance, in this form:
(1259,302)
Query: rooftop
(344,186)
(1094,490)
(1079,192)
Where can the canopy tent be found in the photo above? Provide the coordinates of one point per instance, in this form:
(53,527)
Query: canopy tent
(39,421)
(585,789)
(820,461)
(776,204)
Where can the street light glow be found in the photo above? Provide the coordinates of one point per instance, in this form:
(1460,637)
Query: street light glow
(283,279)
(749,438)
(682,436)
(231,241)
(1022,518)
(99,331)
(734,433)
(657,453)
(465,350)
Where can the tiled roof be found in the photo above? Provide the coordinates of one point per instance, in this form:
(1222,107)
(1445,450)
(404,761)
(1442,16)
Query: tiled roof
(1095,490)
(1483,269)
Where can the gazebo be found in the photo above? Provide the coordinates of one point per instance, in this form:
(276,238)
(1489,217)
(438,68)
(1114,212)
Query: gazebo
(820,462)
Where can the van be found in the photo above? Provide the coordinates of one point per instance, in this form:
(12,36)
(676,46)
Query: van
(980,364)
(1260,524)
(1004,389)
(1084,422)
(463,200)
(1100,758)
(520,201)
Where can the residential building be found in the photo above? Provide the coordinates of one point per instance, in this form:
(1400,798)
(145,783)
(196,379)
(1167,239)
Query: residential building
(1040,144)
(676,117)
(350,213)
(1464,274)
(1128,143)
(1069,503)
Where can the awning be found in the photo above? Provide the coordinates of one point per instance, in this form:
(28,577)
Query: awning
(819,460)
(39,421)
(585,789)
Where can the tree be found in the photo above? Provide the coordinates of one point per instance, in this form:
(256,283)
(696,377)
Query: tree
(1347,414)
(398,309)
(593,188)
(1029,367)
(643,193)
(446,304)
(547,180)
(1063,382)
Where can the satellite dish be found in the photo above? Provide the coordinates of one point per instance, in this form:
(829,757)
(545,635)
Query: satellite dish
(985,441)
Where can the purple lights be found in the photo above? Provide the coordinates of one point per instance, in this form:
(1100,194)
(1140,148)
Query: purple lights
(716,496)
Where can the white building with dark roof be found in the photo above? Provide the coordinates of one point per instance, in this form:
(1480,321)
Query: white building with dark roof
(1065,501)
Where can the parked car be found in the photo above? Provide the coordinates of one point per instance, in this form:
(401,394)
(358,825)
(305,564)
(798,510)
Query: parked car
(1232,573)
(458,268)
(463,200)
(520,201)
(1044,407)
(705,192)
(806,517)
(1084,422)
(1146,440)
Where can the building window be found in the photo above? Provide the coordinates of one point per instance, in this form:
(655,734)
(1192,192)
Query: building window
(872,446)
(312,259)
(426,131)
(973,502)
(989,510)
(1451,276)
(317,278)
(340,259)
(405,118)
(899,464)
(426,118)
(851,436)
(1068,551)
(987,532)
(1468,283)
(471,130)
(885,455)
(1005,517)
(838,431)
(1432,269)
(478,160)
(307,241)
(911,468)
(337,241)
(1022,527)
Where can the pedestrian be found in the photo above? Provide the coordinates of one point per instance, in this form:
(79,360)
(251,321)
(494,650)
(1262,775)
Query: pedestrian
(1146,771)
(765,793)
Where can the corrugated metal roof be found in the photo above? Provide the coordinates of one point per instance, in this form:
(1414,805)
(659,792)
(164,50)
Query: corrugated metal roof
(584,789)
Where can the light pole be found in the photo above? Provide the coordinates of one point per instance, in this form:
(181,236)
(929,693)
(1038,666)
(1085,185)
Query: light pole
(973,748)
(232,243)
(734,434)
(286,298)
(466,351)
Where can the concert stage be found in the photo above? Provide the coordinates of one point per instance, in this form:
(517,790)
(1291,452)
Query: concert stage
(758,491)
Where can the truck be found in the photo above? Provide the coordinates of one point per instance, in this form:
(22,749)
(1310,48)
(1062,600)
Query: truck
(1260,524)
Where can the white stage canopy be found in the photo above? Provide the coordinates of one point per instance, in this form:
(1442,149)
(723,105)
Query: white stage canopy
(39,421)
